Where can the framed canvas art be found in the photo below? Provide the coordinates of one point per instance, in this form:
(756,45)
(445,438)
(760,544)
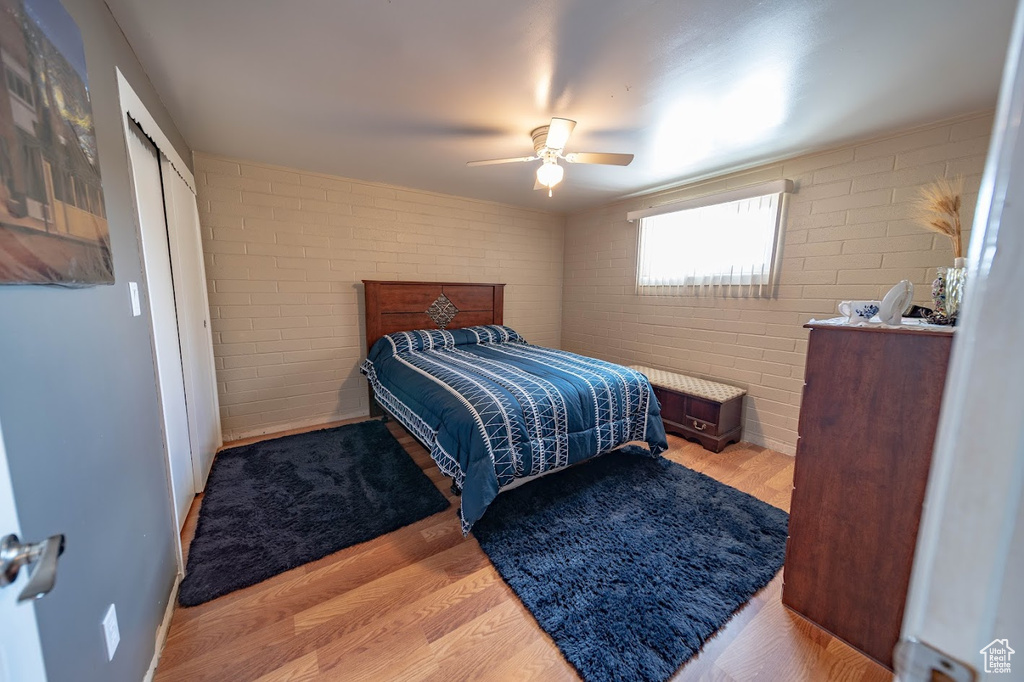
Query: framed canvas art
(53,224)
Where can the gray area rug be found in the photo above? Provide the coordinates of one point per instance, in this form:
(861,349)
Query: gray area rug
(278,504)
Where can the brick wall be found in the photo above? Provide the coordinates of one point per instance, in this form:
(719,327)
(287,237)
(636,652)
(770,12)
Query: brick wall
(285,253)
(849,235)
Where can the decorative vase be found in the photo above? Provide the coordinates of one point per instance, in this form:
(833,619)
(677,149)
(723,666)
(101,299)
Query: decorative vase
(948,292)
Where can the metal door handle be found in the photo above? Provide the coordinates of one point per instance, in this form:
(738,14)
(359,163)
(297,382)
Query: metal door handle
(15,554)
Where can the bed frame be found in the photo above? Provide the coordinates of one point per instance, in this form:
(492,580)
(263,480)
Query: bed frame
(398,306)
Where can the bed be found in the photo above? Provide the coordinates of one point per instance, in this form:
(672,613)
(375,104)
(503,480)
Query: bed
(493,410)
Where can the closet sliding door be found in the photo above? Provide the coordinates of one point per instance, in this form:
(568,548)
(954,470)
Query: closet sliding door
(172,257)
(156,257)
(192,304)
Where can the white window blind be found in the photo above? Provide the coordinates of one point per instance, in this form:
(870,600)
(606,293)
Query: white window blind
(724,241)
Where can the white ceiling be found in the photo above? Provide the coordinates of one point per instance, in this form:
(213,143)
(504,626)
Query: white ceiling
(406,91)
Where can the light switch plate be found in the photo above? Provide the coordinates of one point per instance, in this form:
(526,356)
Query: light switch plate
(133,289)
(110,632)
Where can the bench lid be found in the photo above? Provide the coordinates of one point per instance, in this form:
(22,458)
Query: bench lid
(702,388)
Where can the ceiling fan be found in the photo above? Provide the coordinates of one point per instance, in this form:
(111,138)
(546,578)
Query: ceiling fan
(549,146)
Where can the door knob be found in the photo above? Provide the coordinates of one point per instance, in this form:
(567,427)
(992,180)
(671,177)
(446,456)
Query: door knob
(15,554)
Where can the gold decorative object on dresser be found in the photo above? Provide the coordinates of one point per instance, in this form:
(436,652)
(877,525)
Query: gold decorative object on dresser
(706,411)
(867,426)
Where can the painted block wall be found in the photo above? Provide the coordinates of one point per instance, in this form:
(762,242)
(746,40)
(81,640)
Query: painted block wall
(286,251)
(849,235)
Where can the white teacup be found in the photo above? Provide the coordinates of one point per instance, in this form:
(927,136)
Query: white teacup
(859,311)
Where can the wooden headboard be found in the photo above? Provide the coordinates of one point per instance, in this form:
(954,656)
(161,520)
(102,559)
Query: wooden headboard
(401,306)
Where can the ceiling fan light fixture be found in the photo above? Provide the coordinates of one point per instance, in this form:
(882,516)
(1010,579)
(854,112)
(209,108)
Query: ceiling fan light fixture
(550,174)
(548,144)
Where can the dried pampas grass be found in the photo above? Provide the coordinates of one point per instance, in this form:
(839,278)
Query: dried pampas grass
(939,210)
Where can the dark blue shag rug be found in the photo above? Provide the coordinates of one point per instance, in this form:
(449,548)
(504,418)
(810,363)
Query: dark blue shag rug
(632,563)
(278,504)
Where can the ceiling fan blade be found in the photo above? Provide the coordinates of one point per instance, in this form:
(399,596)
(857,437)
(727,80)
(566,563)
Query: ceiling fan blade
(493,162)
(558,132)
(596,157)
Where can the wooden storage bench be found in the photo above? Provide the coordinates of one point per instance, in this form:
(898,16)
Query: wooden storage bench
(697,409)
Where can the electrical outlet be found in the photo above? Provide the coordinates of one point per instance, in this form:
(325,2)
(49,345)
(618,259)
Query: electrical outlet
(110,632)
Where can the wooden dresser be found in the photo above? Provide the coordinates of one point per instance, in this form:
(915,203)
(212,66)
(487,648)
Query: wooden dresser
(867,425)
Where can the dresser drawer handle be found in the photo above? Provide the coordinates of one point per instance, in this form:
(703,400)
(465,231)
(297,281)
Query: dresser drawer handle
(699,427)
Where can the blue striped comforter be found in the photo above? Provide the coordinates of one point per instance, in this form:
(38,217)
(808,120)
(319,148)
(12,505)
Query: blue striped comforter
(493,408)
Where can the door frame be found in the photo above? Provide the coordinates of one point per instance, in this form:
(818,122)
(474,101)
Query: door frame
(132,106)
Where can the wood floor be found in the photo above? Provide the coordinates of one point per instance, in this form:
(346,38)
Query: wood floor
(424,603)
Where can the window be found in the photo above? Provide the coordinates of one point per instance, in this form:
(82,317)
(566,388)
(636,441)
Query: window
(19,86)
(32,162)
(6,167)
(723,240)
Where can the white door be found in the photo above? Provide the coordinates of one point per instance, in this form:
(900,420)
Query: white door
(966,599)
(21,657)
(156,259)
(193,309)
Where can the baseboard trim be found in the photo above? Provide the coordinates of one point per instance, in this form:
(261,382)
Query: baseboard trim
(231,436)
(161,633)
